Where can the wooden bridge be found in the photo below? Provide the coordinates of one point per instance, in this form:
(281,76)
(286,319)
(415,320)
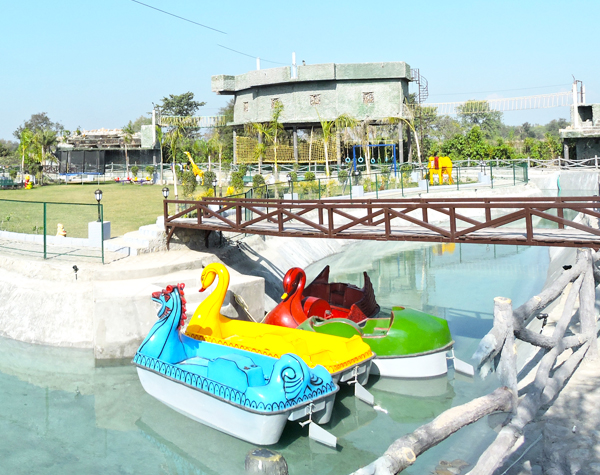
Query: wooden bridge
(527,221)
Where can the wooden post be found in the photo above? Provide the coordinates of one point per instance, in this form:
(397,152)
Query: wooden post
(587,300)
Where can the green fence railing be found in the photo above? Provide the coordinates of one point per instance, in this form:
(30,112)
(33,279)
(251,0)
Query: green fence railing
(52,229)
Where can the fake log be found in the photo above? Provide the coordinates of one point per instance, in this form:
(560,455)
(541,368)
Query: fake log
(404,451)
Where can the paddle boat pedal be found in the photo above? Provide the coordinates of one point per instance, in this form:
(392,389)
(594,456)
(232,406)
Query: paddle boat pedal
(248,395)
(316,432)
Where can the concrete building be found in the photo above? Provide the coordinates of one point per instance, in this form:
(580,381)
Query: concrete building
(583,134)
(311,93)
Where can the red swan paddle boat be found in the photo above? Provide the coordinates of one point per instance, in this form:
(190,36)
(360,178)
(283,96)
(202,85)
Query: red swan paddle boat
(322,299)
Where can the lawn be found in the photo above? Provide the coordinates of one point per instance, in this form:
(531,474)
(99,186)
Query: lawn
(127,207)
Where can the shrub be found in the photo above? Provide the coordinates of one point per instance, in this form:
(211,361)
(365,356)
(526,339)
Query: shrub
(237,180)
(149,170)
(188,183)
(309,176)
(13,174)
(134,170)
(342,176)
(258,183)
(208,178)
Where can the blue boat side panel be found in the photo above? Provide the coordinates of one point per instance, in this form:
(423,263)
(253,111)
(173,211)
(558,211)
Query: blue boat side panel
(259,382)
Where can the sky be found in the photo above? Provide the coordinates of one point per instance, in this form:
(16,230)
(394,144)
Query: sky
(94,64)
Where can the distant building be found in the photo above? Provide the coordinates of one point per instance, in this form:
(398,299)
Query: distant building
(584,132)
(311,93)
(100,150)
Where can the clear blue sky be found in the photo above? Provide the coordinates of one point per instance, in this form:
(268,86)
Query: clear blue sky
(102,63)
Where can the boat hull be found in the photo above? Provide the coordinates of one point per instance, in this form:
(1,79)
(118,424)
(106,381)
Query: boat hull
(252,426)
(416,366)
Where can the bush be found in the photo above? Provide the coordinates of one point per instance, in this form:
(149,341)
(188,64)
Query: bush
(208,178)
(342,176)
(258,183)
(293,176)
(188,183)
(134,170)
(237,180)
(13,174)
(309,176)
(150,170)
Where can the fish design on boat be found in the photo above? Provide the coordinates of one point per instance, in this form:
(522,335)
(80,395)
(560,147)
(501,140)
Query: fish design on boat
(248,395)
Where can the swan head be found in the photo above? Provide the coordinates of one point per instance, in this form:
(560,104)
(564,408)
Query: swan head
(210,272)
(294,278)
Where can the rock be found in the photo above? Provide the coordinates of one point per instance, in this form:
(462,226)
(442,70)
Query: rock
(265,461)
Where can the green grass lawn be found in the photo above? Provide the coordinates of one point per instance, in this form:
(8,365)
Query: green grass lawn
(127,207)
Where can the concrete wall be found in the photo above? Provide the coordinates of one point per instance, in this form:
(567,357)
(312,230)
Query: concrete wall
(108,308)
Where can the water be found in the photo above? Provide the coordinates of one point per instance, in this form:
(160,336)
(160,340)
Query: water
(59,414)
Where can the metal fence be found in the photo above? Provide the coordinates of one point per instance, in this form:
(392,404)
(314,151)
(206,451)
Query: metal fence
(52,229)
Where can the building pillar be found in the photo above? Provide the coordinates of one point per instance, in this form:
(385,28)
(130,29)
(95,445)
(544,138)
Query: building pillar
(295,143)
(565,151)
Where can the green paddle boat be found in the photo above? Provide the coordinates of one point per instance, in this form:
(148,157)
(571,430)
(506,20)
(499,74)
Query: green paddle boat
(408,344)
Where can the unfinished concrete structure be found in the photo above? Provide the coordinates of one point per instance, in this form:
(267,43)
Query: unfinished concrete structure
(584,131)
(313,93)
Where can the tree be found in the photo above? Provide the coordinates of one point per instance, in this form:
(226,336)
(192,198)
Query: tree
(479,113)
(141,120)
(127,138)
(44,139)
(180,105)
(26,139)
(37,123)
(160,137)
(270,131)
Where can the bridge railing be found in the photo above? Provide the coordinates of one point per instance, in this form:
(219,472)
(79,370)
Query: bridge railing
(533,221)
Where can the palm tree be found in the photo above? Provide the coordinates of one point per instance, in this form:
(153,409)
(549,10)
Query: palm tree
(327,126)
(26,139)
(270,132)
(217,144)
(174,137)
(46,139)
(344,122)
(159,137)
(127,138)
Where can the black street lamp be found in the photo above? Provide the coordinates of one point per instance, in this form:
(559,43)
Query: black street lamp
(214,184)
(98,195)
(165,192)
(291,184)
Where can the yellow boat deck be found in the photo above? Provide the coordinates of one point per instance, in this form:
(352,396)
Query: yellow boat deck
(334,353)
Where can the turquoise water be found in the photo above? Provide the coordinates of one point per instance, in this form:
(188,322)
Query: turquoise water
(59,414)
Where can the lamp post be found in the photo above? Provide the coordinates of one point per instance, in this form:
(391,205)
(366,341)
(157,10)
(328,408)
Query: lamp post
(98,196)
(165,192)
(291,184)
(214,184)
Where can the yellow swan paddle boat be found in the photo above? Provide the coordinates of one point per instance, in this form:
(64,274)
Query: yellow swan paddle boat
(347,359)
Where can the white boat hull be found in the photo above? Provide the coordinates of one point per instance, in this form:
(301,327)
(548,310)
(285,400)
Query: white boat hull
(359,373)
(251,426)
(422,366)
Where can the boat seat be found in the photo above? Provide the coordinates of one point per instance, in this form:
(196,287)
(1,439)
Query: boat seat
(236,371)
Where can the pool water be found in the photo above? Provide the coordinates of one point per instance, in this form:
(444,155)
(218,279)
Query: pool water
(59,414)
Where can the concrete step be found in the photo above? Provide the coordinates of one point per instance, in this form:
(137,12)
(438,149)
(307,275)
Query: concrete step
(151,231)
(137,239)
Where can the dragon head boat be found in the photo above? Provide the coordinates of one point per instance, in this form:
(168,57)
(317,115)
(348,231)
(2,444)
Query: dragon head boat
(408,343)
(347,359)
(248,395)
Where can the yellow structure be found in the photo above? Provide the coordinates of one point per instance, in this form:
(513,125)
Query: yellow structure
(440,166)
(207,324)
(195,169)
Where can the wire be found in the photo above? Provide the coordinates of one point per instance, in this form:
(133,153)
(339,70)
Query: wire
(210,28)
(249,55)
(180,17)
(489,92)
